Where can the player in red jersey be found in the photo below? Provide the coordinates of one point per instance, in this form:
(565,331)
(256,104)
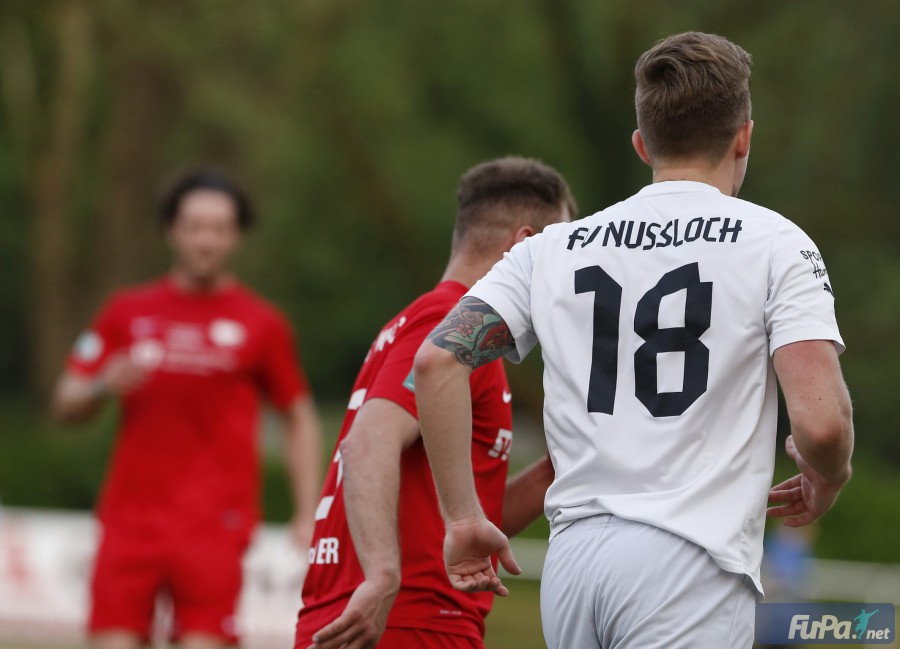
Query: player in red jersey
(189,356)
(376,564)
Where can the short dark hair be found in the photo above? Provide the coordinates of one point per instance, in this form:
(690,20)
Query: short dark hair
(507,192)
(204,178)
(692,95)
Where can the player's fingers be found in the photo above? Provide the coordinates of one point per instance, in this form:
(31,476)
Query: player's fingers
(468,584)
(336,628)
(474,585)
(338,641)
(790,483)
(328,632)
(132,382)
(781,511)
(800,521)
(497,586)
(129,382)
(508,561)
(790,509)
(462,582)
(786,495)
(483,580)
(780,508)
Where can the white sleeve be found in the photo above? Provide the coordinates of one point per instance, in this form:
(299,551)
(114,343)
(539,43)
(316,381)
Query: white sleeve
(800,303)
(507,289)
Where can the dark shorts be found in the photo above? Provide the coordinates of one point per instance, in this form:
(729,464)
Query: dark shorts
(199,572)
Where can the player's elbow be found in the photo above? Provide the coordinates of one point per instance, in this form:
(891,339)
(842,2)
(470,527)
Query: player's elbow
(351,447)
(356,447)
(827,430)
(73,401)
(825,438)
(826,442)
(431,363)
(62,408)
(64,411)
(426,361)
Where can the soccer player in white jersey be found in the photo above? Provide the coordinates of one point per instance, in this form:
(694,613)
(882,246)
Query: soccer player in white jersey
(664,321)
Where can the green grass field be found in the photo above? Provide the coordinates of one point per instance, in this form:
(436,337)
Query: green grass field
(515,621)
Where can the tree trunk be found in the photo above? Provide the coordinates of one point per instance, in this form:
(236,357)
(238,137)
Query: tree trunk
(53,326)
(127,238)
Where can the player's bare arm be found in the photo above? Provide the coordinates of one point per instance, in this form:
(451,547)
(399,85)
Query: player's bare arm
(523,501)
(77,398)
(821,441)
(303,450)
(370,454)
(471,335)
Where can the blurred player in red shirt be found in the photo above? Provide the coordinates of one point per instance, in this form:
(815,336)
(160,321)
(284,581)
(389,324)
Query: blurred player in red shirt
(188,356)
(376,573)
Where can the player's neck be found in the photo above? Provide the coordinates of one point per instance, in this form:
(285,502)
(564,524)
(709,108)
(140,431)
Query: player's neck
(720,176)
(467,268)
(186,282)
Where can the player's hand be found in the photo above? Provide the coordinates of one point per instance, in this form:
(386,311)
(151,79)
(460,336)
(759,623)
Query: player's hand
(301,528)
(362,623)
(468,546)
(805,497)
(121,375)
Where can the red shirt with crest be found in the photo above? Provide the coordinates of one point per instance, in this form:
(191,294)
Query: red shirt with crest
(426,600)
(186,452)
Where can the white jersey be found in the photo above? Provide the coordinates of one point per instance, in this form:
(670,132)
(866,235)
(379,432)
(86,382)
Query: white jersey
(657,319)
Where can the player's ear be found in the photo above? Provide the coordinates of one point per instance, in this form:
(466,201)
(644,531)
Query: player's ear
(742,139)
(523,233)
(637,141)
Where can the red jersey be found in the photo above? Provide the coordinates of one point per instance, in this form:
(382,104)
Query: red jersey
(186,452)
(426,599)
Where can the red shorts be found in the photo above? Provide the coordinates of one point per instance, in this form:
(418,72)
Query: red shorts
(397,638)
(401,638)
(199,572)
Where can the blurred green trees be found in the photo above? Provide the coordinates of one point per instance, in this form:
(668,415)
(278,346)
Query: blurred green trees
(351,120)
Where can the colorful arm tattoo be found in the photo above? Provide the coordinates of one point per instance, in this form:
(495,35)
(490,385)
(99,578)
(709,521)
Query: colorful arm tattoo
(474,333)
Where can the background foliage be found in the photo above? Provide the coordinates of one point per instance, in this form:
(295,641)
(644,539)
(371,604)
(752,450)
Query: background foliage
(351,120)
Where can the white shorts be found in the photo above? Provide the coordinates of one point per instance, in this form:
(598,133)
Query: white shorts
(610,583)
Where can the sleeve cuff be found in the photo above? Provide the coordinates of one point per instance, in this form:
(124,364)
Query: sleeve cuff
(801,334)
